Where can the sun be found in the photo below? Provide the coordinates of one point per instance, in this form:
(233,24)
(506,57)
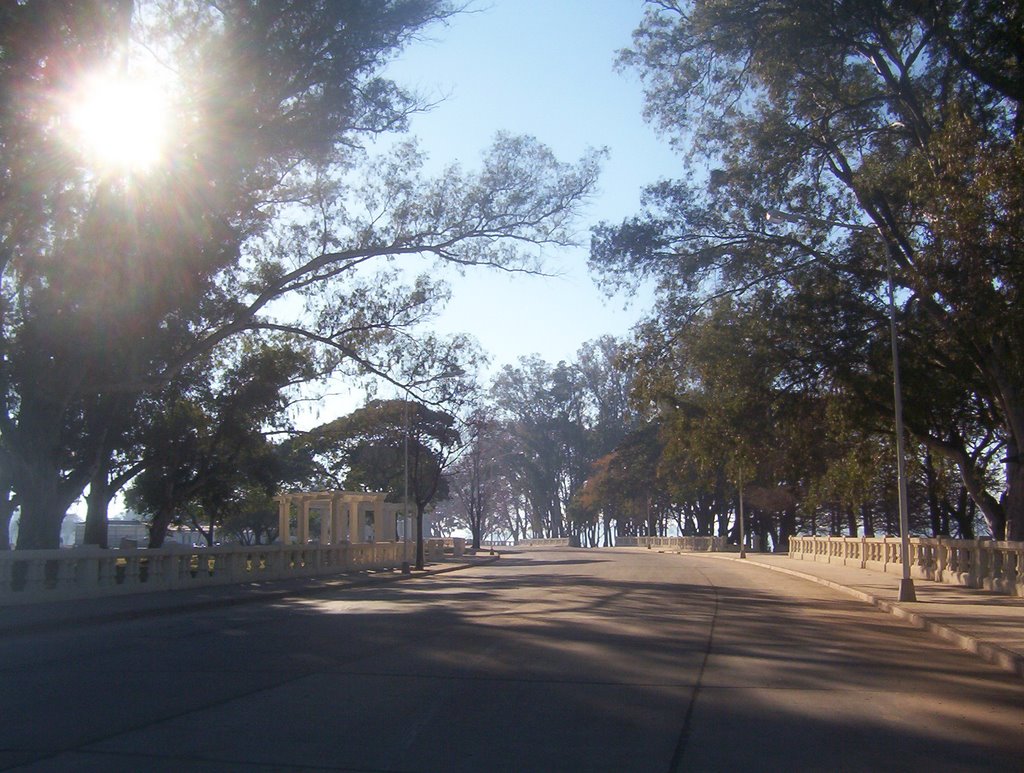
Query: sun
(120,123)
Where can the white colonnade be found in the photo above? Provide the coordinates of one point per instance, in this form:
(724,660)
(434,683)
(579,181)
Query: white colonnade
(345,516)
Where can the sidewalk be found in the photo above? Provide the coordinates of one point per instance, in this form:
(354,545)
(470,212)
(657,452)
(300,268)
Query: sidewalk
(988,624)
(23,619)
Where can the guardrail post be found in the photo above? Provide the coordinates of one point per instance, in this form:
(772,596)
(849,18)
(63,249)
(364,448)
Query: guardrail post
(976,578)
(995,567)
(1018,585)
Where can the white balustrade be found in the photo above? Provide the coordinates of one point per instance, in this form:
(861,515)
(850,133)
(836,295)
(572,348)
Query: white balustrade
(557,542)
(686,544)
(28,576)
(985,564)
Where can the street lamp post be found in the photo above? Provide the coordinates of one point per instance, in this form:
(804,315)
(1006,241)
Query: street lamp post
(743,536)
(405,502)
(907,592)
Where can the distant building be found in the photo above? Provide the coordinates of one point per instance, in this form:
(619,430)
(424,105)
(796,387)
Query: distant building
(117,531)
(137,530)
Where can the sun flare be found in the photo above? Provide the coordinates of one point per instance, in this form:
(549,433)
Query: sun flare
(120,124)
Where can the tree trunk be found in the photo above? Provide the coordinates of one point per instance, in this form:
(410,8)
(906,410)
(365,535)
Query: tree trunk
(158,526)
(557,528)
(37,476)
(45,497)
(97,503)
(867,518)
(891,519)
(475,533)
(932,488)
(101,490)
(787,528)
(995,512)
(964,515)
(1013,503)
(419,536)
(42,513)
(1010,390)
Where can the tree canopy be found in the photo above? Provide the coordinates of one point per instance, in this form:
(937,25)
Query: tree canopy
(264,215)
(387,446)
(888,134)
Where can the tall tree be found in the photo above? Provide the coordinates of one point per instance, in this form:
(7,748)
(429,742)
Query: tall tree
(206,445)
(892,130)
(624,486)
(542,406)
(115,280)
(476,477)
(374,447)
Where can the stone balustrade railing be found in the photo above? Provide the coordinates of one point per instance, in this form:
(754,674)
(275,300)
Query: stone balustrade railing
(985,564)
(551,542)
(454,545)
(686,544)
(28,576)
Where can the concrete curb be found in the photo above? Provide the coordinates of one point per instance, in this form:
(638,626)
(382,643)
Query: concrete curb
(990,653)
(245,594)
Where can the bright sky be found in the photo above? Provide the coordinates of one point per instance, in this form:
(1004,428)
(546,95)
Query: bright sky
(544,68)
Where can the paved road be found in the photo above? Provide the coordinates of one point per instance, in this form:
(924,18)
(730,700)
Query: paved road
(550,660)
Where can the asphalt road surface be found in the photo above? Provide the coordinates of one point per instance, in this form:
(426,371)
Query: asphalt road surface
(549,660)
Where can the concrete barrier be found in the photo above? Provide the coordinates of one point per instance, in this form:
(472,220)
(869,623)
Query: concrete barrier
(687,544)
(434,548)
(985,564)
(29,576)
(553,542)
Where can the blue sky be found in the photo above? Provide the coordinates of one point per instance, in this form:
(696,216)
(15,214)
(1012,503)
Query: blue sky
(545,69)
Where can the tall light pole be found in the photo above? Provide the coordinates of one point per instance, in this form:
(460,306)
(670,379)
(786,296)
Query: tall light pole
(907,592)
(743,536)
(405,506)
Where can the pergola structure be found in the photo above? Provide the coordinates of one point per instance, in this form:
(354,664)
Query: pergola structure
(345,516)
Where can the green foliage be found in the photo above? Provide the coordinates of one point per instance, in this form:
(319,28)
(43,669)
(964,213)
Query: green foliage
(207,455)
(366,450)
(559,419)
(475,478)
(625,485)
(267,215)
(253,519)
(891,132)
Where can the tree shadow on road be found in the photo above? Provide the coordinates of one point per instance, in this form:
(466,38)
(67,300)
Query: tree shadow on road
(772,665)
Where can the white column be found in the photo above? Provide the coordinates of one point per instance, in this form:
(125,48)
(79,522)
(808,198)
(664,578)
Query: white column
(304,523)
(426,523)
(355,523)
(337,533)
(371,522)
(341,513)
(408,527)
(284,509)
(386,522)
